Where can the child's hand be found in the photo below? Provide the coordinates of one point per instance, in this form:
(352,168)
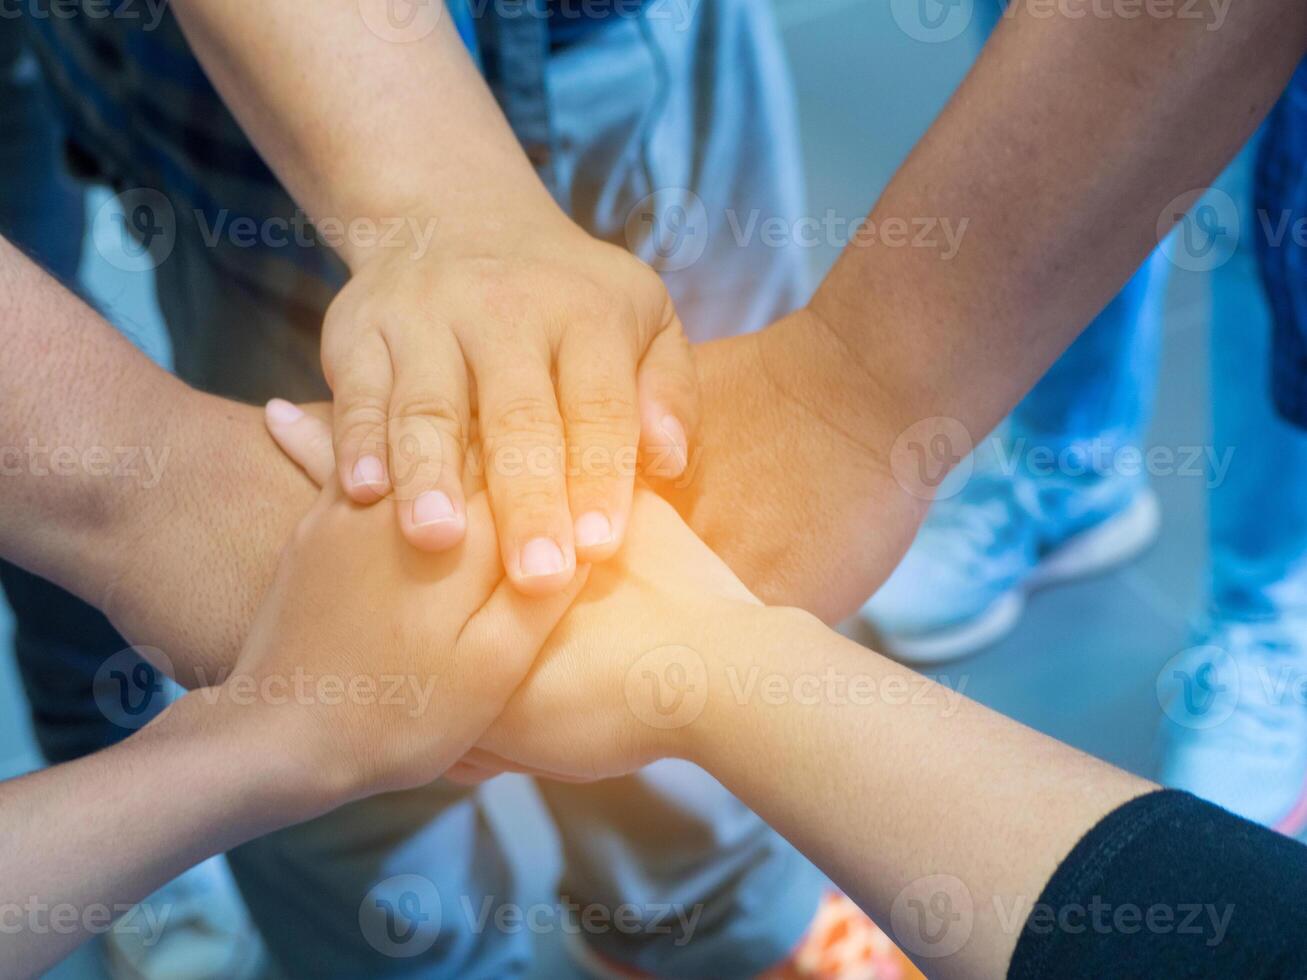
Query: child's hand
(562,352)
(384,663)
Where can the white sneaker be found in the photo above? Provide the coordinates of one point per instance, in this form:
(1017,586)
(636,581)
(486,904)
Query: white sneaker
(193,928)
(1235,721)
(964,583)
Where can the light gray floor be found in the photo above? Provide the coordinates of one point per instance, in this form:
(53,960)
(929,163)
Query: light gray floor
(1082,664)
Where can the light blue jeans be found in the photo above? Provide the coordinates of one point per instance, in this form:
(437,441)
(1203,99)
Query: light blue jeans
(1258,512)
(1096,399)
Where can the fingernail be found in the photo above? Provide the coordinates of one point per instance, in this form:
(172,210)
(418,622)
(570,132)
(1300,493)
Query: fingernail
(593,529)
(433,507)
(369,472)
(678,445)
(541,556)
(283,412)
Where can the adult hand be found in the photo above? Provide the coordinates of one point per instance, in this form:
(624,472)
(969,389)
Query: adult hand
(790,481)
(562,352)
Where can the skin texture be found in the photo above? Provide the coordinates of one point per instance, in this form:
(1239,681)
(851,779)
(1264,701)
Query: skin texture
(493,316)
(966,347)
(178,551)
(780,406)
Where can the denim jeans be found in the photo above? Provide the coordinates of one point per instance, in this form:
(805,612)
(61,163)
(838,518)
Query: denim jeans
(60,642)
(1258,512)
(1097,398)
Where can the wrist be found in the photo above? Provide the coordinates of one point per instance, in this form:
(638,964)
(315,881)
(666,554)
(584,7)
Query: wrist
(253,760)
(190,565)
(481,225)
(748,656)
(286,772)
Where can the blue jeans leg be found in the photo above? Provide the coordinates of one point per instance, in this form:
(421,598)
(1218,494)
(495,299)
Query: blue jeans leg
(1258,506)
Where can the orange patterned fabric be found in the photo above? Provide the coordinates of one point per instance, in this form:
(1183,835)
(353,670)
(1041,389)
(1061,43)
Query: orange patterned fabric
(843,944)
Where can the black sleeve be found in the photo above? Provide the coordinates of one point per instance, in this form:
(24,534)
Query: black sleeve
(1169,886)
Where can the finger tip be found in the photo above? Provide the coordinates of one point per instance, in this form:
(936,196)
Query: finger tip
(441,536)
(542,586)
(366,481)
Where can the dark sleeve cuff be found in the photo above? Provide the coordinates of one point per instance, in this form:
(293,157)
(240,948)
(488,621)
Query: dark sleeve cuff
(1170,886)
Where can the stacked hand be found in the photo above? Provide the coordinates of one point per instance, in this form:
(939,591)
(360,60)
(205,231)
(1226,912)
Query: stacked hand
(590,706)
(560,354)
(382,663)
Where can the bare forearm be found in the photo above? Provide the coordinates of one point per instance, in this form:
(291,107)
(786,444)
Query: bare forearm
(1061,151)
(358,125)
(183,789)
(164,507)
(88,425)
(890,778)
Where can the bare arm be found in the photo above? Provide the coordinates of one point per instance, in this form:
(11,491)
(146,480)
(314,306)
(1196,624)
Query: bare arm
(264,750)
(886,779)
(1061,150)
(880,776)
(163,506)
(177,792)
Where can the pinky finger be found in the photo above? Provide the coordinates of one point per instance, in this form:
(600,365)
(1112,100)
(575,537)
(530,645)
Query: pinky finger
(305,438)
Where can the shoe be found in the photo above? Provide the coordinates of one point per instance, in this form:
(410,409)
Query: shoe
(193,928)
(841,944)
(964,583)
(1234,728)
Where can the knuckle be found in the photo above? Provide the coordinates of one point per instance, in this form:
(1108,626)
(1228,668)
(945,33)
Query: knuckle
(602,408)
(441,411)
(361,422)
(526,419)
(531,500)
(364,401)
